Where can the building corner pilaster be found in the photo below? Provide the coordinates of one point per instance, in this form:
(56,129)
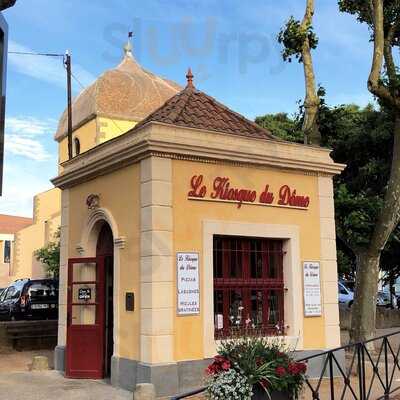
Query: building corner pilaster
(329,262)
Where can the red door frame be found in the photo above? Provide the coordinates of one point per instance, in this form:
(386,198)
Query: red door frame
(85,343)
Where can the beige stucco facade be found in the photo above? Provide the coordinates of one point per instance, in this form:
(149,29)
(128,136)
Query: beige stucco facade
(142,181)
(5,265)
(46,221)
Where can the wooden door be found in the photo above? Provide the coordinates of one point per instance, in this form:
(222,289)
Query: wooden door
(85,318)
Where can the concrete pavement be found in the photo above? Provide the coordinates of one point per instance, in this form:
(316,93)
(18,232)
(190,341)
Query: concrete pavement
(51,385)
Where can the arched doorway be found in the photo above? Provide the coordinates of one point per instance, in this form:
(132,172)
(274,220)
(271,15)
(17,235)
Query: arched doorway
(105,248)
(90,326)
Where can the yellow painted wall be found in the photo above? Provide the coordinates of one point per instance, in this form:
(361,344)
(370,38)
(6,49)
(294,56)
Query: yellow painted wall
(120,195)
(87,137)
(46,220)
(187,222)
(96,131)
(111,128)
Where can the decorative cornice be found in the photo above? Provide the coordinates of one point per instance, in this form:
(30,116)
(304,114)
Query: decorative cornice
(194,145)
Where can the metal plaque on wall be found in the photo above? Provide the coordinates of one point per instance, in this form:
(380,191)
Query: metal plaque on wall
(188,285)
(312,289)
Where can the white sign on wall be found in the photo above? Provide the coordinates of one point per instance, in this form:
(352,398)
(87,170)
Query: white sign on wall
(312,289)
(188,285)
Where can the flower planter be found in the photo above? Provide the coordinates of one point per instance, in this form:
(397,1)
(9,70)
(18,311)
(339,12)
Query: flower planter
(260,394)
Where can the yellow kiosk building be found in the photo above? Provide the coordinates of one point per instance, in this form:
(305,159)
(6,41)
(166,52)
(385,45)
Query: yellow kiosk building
(192,226)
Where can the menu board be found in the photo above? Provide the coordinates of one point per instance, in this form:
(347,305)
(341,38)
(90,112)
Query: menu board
(312,289)
(188,286)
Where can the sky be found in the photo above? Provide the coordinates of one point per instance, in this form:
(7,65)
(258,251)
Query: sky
(230,45)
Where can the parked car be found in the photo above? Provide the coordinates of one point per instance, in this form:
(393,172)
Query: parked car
(346,296)
(30,299)
(383,300)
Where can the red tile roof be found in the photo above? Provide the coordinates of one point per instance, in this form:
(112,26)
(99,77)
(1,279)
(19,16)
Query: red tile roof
(10,224)
(194,109)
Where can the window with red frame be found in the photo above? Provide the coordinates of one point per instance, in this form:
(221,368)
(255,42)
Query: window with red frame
(248,285)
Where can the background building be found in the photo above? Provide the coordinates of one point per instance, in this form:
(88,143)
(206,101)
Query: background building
(9,225)
(46,221)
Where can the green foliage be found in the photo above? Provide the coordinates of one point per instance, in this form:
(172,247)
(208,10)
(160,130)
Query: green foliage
(49,255)
(245,355)
(345,261)
(292,36)
(361,138)
(282,126)
(265,362)
(361,9)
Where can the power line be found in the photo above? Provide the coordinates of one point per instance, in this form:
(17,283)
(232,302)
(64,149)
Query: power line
(25,53)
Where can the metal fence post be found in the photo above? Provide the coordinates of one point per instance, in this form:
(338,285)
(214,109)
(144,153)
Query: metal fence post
(387,388)
(360,372)
(332,383)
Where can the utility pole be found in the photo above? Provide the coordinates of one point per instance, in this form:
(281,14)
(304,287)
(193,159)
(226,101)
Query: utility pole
(67,62)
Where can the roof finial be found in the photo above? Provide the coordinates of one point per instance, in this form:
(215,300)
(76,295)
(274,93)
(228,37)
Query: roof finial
(128,46)
(189,77)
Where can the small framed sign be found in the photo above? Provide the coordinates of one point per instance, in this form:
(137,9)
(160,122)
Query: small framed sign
(188,286)
(312,289)
(84,294)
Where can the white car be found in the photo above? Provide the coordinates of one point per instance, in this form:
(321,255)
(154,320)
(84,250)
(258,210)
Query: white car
(346,296)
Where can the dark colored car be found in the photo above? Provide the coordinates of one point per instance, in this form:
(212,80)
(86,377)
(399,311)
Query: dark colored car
(30,299)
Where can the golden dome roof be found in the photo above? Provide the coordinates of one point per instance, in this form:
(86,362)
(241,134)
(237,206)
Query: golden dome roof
(127,92)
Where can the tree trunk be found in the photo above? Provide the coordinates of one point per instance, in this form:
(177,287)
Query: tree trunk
(311,102)
(364,308)
(363,312)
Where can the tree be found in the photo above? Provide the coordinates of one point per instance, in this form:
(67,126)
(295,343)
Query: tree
(298,39)
(383,20)
(283,126)
(49,255)
(361,138)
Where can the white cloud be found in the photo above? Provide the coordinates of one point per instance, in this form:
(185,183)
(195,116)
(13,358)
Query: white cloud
(24,137)
(21,182)
(47,69)
(25,147)
(30,126)
(28,163)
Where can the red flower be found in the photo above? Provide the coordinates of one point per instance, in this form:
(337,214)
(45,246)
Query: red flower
(297,368)
(219,364)
(280,371)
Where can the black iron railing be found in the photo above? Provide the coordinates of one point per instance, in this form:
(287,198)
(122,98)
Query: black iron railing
(367,370)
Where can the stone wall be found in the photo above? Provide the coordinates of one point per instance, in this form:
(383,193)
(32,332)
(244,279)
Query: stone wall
(385,318)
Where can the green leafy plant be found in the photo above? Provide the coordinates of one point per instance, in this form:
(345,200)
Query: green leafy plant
(266,362)
(49,255)
(293,35)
